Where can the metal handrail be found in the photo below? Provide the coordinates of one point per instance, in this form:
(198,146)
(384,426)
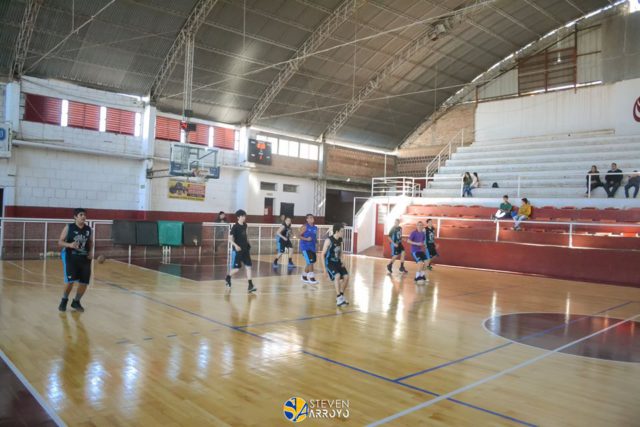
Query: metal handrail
(519,177)
(323,229)
(569,224)
(440,158)
(401,185)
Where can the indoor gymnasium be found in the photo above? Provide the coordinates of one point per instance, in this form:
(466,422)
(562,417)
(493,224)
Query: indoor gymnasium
(327,212)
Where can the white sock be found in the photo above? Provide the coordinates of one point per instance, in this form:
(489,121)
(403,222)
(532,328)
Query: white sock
(311,274)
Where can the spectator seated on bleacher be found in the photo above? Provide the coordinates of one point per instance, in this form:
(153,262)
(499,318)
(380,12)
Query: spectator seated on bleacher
(524,213)
(612,180)
(593,181)
(634,181)
(504,211)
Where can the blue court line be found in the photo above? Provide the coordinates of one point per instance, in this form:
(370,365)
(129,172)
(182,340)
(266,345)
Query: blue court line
(354,368)
(299,319)
(526,337)
(422,390)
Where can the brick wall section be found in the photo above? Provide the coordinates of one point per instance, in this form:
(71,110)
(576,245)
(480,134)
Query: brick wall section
(345,162)
(285,164)
(446,127)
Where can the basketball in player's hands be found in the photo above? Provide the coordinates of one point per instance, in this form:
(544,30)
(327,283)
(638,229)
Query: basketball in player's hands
(100,259)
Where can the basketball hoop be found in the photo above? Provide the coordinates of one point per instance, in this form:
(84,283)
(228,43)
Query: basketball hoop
(201,175)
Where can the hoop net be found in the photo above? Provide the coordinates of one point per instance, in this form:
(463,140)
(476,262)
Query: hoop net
(200,175)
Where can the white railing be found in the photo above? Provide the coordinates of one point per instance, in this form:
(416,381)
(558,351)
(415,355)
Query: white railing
(521,179)
(569,225)
(38,238)
(395,186)
(445,154)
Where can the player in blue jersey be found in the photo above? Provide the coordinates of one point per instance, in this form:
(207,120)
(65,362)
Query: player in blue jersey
(418,251)
(332,256)
(397,249)
(308,244)
(283,242)
(76,241)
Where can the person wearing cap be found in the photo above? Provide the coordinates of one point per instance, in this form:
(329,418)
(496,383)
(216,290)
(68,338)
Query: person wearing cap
(240,250)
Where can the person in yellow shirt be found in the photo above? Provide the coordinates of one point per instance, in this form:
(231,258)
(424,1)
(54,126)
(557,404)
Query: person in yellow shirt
(523,214)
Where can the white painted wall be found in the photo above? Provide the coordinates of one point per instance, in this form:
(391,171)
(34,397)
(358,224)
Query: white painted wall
(587,109)
(61,179)
(365,225)
(54,166)
(302,200)
(220,194)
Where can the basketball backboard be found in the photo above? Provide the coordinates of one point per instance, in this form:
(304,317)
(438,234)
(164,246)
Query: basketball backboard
(194,160)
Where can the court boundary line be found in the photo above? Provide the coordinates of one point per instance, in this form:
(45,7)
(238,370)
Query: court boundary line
(303,351)
(43,403)
(495,376)
(510,342)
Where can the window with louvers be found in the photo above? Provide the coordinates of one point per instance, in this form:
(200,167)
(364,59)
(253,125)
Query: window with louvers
(200,136)
(167,129)
(42,109)
(83,116)
(121,121)
(224,138)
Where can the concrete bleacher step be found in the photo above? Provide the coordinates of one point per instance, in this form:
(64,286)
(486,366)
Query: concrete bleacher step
(627,164)
(513,183)
(480,152)
(541,192)
(575,142)
(599,158)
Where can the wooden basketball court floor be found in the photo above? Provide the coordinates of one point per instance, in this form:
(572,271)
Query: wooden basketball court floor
(472,348)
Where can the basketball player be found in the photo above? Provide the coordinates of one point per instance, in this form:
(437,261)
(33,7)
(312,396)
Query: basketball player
(397,250)
(308,242)
(240,248)
(331,254)
(283,242)
(430,232)
(76,244)
(418,251)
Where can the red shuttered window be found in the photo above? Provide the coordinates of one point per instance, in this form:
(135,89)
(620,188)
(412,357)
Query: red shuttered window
(84,116)
(167,129)
(42,109)
(200,136)
(121,121)
(224,138)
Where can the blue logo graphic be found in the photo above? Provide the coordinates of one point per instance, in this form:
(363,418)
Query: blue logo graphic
(295,409)
(3,134)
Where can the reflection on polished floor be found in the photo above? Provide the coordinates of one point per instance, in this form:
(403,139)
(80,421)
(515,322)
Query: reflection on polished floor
(486,348)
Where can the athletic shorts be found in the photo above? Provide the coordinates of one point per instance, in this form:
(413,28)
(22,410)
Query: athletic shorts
(76,268)
(396,250)
(431,250)
(240,258)
(334,269)
(420,256)
(282,245)
(309,257)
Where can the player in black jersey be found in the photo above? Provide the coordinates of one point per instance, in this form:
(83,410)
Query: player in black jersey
(331,254)
(240,248)
(76,244)
(283,242)
(397,249)
(430,242)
